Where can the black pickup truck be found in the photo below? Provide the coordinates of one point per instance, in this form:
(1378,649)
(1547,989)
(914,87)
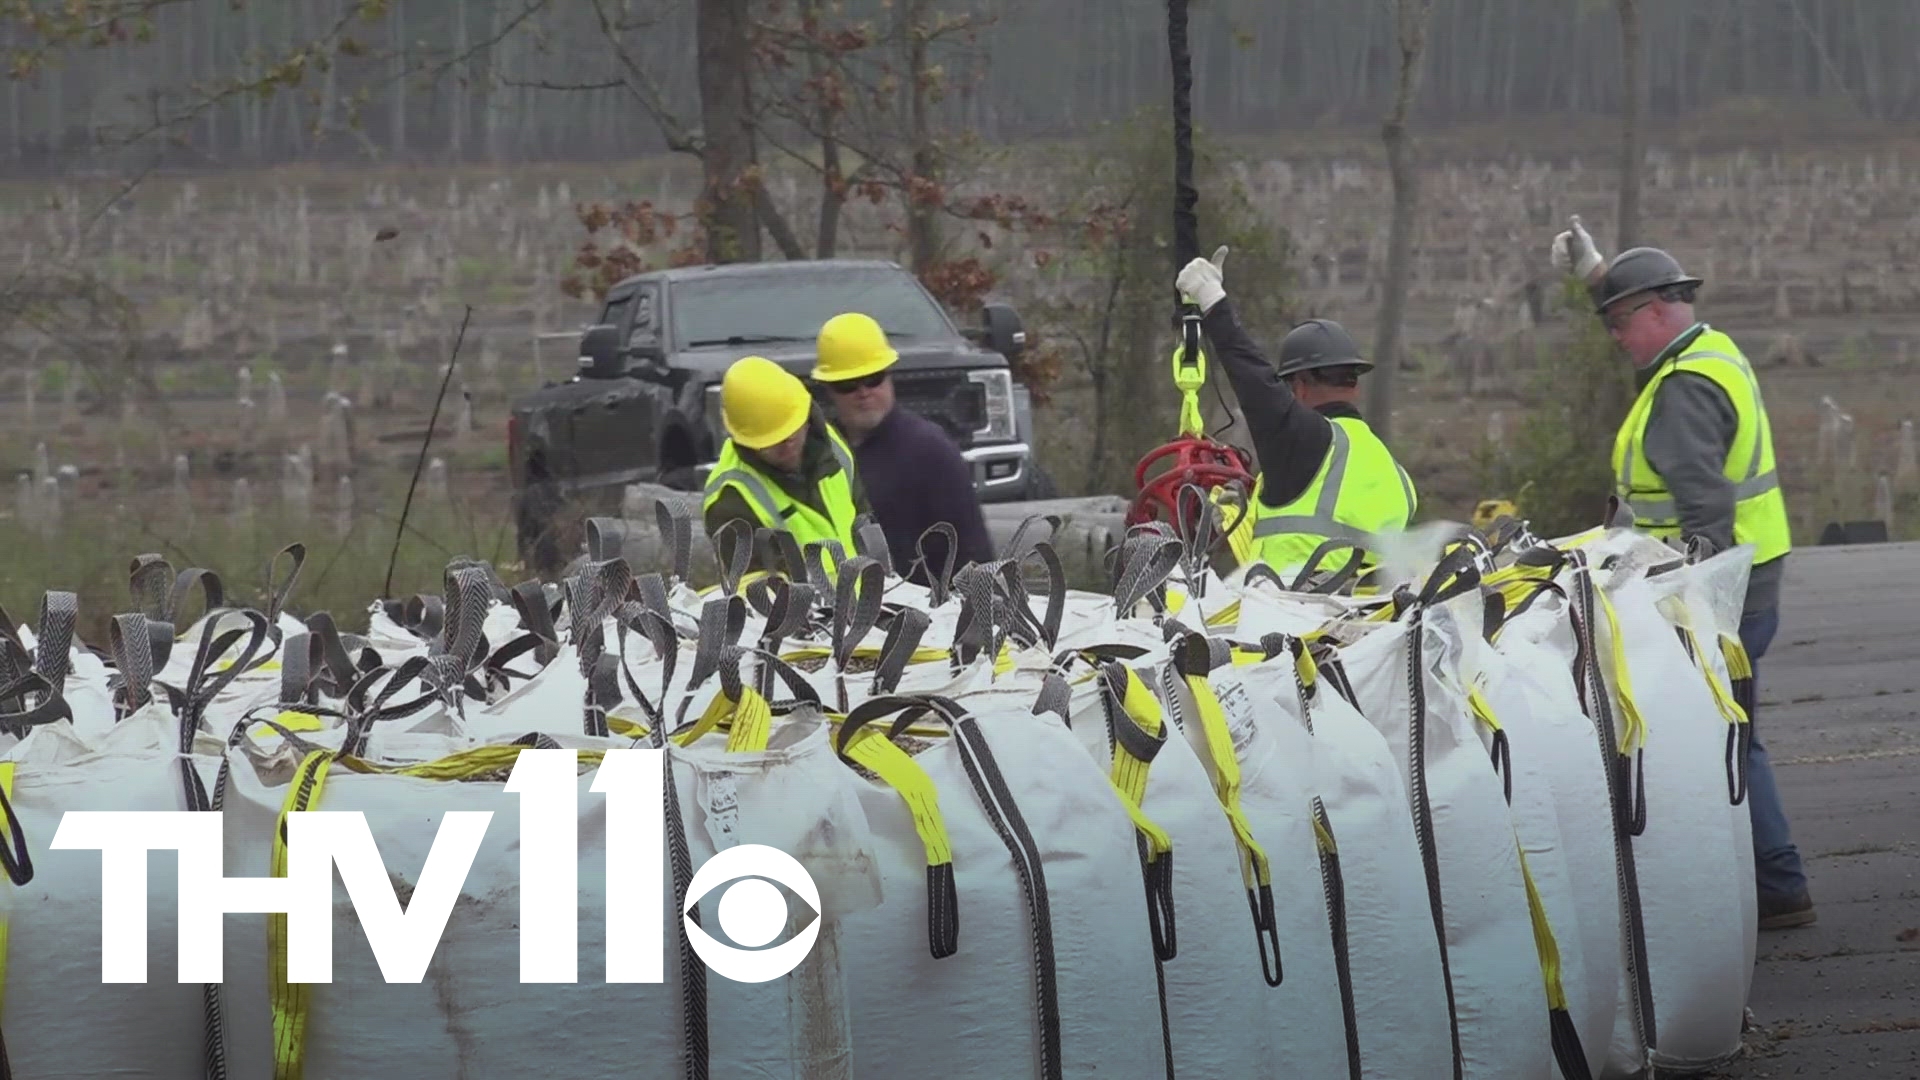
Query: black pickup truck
(645,402)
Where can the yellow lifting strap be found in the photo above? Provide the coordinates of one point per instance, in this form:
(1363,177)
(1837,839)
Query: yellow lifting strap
(1730,710)
(740,589)
(6,784)
(1633,733)
(1189,378)
(1543,940)
(1241,538)
(1739,665)
(1226,616)
(1129,773)
(925,654)
(1225,772)
(1308,670)
(291,1001)
(471,763)
(750,721)
(628,728)
(897,769)
(1482,710)
(1323,839)
(292,720)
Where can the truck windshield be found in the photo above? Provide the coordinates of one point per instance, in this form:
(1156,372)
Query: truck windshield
(788,306)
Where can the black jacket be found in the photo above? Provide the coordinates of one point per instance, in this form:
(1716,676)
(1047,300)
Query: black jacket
(916,478)
(1289,440)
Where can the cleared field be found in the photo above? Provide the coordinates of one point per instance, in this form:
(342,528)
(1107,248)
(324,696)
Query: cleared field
(1808,253)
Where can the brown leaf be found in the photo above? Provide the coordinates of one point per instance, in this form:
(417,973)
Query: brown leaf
(1911,933)
(387,232)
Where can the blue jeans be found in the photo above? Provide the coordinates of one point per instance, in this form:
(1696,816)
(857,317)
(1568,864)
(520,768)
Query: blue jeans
(1776,862)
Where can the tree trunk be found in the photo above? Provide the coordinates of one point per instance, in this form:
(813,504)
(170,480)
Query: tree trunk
(1412,16)
(1632,97)
(726,120)
(397,135)
(923,203)
(457,128)
(832,192)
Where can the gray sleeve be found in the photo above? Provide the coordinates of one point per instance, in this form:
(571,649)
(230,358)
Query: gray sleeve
(1689,433)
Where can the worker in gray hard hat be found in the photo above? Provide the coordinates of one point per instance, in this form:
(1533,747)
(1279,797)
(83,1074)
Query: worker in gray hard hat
(1694,460)
(1324,474)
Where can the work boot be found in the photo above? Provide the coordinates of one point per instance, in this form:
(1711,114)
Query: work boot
(1785,912)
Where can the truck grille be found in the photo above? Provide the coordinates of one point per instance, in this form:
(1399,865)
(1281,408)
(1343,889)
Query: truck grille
(948,398)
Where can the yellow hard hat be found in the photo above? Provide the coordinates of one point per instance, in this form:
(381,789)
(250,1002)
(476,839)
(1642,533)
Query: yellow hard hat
(852,346)
(762,402)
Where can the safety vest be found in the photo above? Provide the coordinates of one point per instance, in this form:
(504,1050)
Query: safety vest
(777,510)
(1358,492)
(1760,510)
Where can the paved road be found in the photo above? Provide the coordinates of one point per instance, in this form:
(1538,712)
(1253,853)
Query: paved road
(1840,706)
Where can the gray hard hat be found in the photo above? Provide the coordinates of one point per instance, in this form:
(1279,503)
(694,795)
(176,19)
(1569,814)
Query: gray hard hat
(1635,271)
(1319,343)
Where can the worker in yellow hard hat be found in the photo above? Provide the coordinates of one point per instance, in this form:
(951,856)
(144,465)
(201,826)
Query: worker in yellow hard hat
(783,467)
(910,466)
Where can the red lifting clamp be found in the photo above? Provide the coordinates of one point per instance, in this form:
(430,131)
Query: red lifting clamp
(1195,460)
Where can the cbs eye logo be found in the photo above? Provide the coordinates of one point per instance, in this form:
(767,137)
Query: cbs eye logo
(752,912)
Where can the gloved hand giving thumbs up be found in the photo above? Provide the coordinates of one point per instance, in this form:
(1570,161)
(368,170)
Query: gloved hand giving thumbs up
(1199,280)
(1574,251)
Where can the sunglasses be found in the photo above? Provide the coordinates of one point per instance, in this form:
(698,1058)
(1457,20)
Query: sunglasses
(848,386)
(1618,319)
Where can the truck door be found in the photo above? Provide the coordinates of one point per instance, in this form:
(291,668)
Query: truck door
(614,439)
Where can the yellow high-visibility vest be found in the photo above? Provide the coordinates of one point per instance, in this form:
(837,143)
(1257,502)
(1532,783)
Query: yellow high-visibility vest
(1360,491)
(776,510)
(1760,509)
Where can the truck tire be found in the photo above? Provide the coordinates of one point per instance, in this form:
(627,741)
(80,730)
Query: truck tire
(684,478)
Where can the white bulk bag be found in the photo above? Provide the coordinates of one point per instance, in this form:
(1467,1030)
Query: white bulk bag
(1246,990)
(471,1016)
(1694,857)
(1267,807)
(1293,752)
(1706,601)
(55,996)
(1561,809)
(1038,942)
(1477,892)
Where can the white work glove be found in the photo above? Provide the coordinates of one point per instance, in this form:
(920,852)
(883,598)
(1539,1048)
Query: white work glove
(1199,280)
(1574,251)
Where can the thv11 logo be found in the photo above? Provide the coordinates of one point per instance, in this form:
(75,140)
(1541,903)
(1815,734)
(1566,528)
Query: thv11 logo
(751,910)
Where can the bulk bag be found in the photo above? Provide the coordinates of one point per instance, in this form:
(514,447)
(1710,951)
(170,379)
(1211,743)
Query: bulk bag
(1013,939)
(470,1015)
(152,758)
(1306,756)
(1562,811)
(1693,841)
(1408,680)
(1708,600)
(1251,985)
(1288,867)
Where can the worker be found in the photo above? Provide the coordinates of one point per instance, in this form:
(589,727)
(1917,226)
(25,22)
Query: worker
(1323,474)
(911,468)
(1694,459)
(783,466)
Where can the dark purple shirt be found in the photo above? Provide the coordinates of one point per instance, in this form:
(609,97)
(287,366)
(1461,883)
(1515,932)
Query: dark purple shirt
(915,478)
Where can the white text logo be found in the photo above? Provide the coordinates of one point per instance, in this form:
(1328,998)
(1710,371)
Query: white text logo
(751,911)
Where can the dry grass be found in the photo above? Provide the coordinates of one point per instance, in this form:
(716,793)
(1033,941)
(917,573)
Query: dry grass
(274,269)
